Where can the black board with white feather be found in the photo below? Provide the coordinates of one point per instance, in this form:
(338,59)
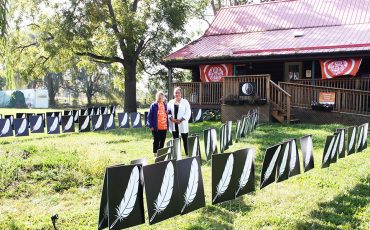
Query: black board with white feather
(334,151)
(223,138)
(84,123)
(237,130)
(11,118)
(244,171)
(328,148)
(165,151)
(282,169)
(67,112)
(84,112)
(20,115)
(108,120)
(307,152)
(97,123)
(75,115)
(112,110)
(193,146)
(176,144)
(136,120)
(190,181)
(123,120)
(351,141)
(342,144)
(6,129)
(269,165)
(161,190)
(125,197)
(68,125)
(197,115)
(362,136)
(229,127)
(53,125)
(294,165)
(90,111)
(37,124)
(223,187)
(365,135)
(21,127)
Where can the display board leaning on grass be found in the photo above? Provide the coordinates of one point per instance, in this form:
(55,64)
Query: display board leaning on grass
(179,113)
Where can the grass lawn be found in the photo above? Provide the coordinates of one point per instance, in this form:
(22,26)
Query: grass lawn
(41,175)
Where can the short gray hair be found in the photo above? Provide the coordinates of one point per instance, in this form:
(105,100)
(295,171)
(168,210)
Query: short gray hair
(158,94)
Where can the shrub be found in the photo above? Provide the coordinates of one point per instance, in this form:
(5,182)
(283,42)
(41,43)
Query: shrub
(17,100)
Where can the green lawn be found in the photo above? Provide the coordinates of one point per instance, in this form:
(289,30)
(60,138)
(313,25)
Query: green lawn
(44,174)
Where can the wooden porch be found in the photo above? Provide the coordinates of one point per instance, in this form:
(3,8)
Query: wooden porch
(352,95)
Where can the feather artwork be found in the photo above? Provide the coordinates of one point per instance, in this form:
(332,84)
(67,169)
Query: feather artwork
(359,140)
(86,123)
(214,140)
(110,121)
(192,188)
(86,113)
(197,118)
(137,119)
(226,177)
(37,126)
(366,128)
(244,178)
(54,126)
(328,151)
(195,147)
(165,193)
(284,161)
(6,127)
(105,110)
(293,157)
(208,142)
(69,124)
(23,127)
(308,152)
(75,117)
(271,166)
(98,122)
(352,141)
(341,141)
(124,120)
(128,202)
(335,147)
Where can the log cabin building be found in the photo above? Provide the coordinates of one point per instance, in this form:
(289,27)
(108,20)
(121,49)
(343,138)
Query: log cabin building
(281,57)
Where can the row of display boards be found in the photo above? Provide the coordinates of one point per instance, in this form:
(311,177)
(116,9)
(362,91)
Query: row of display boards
(176,185)
(89,119)
(244,127)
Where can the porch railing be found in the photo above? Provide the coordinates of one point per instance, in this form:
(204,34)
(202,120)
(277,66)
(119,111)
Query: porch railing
(346,100)
(280,99)
(343,83)
(201,93)
(231,87)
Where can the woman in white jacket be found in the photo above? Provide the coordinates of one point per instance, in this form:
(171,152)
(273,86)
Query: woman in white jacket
(179,114)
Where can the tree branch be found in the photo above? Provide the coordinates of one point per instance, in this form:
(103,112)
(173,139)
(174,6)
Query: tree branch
(105,59)
(115,26)
(134,5)
(145,70)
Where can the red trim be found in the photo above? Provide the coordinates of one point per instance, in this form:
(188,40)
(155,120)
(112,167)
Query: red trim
(302,48)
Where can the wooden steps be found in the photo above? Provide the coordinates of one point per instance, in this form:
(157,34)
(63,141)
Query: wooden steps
(283,117)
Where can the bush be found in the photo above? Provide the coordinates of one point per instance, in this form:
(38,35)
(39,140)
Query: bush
(17,100)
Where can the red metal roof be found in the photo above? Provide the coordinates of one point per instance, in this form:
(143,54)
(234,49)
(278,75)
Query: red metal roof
(270,29)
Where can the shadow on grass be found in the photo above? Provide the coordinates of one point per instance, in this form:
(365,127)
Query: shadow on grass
(342,211)
(220,216)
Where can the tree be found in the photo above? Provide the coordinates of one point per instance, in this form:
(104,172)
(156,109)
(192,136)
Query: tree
(131,32)
(3,17)
(52,82)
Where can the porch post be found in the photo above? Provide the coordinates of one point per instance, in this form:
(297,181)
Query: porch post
(169,79)
(313,73)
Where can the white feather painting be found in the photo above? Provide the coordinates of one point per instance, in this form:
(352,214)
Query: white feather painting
(223,184)
(6,127)
(244,178)
(192,188)
(127,203)
(165,193)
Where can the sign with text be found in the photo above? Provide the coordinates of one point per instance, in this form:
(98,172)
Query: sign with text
(327,98)
(331,68)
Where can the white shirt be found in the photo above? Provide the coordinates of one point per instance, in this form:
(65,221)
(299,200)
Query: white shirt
(184,112)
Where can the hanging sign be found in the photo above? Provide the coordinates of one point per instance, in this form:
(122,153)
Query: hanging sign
(215,73)
(331,68)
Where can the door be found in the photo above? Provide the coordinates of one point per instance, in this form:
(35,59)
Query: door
(292,71)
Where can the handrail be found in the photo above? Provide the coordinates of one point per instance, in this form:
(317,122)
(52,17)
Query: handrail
(280,99)
(346,100)
(359,83)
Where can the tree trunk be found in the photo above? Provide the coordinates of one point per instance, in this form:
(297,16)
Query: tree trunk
(51,91)
(130,86)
